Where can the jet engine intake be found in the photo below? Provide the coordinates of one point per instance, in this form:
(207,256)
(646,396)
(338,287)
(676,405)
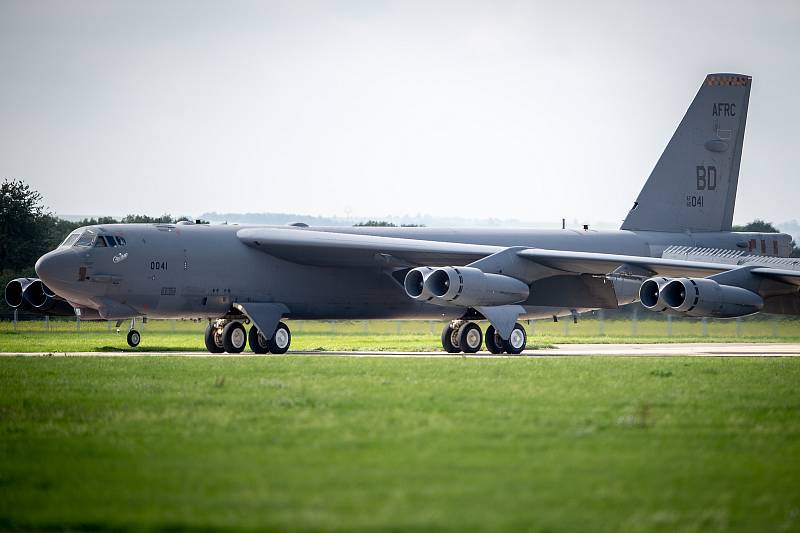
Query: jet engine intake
(650,294)
(414,283)
(15,291)
(702,297)
(470,287)
(45,301)
(32,295)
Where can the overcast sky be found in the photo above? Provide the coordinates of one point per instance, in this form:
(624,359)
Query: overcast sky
(527,110)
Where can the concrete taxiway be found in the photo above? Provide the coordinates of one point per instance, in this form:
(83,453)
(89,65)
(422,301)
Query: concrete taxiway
(558,350)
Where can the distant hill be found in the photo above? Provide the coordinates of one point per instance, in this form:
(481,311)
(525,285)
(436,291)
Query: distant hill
(792,227)
(420,219)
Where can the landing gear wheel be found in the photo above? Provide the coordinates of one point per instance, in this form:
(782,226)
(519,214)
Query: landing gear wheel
(134,338)
(517,340)
(493,341)
(470,337)
(450,339)
(213,340)
(258,343)
(281,339)
(234,337)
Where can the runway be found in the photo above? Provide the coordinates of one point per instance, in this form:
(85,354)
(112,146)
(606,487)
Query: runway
(558,350)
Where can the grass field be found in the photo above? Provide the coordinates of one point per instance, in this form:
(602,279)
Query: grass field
(339,444)
(62,336)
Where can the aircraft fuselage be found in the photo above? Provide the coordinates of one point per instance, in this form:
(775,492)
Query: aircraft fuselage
(191,271)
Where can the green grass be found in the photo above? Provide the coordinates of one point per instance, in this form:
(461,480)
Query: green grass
(317,443)
(60,336)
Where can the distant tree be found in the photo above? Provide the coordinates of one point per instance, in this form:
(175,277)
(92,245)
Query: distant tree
(24,226)
(384,224)
(144,219)
(757,225)
(375,224)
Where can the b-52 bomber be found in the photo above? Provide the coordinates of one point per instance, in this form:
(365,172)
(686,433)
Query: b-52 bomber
(675,252)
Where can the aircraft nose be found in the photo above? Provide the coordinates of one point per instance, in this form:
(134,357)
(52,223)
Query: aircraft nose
(57,267)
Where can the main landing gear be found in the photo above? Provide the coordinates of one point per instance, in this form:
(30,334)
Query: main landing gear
(463,336)
(229,336)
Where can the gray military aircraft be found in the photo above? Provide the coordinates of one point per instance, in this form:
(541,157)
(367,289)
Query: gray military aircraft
(675,252)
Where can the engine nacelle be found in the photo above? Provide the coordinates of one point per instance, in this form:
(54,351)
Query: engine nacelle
(650,294)
(703,297)
(33,295)
(15,292)
(45,301)
(414,283)
(470,287)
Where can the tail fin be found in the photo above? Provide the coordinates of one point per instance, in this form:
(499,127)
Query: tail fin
(693,185)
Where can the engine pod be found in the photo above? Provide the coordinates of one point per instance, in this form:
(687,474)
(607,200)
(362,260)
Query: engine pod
(704,297)
(414,283)
(650,294)
(471,287)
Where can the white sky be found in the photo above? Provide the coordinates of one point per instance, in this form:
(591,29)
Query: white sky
(527,110)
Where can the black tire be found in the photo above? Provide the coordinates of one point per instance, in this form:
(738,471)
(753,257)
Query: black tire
(257,341)
(134,338)
(234,337)
(493,341)
(470,337)
(449,340)
(281,340)
(517,340)
(211,343)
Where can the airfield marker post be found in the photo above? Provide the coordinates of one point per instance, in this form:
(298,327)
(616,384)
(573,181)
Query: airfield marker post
(705,327)
(15,319)
(669,325)
(635,322)
(601,322)
(77,323)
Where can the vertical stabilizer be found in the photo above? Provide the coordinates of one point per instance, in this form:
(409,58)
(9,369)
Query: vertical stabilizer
(693,185)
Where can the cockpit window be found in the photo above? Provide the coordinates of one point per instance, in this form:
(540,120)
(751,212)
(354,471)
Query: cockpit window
(71,238)
(86,239)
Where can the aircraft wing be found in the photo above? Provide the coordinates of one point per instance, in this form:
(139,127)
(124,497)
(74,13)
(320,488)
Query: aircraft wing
(599,263)
(792,277)
(326,248)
